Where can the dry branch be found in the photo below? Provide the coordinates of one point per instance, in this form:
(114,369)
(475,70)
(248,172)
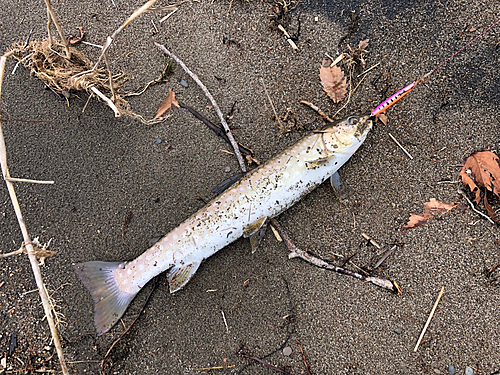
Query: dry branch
(295,252)
(212,100)
(27,240)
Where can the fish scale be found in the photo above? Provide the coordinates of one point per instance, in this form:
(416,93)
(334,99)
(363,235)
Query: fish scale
(242,210)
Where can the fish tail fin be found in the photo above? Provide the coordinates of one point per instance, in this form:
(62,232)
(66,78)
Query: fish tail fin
(110,302)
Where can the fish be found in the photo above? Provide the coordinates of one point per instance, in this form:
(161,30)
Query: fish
(243,209)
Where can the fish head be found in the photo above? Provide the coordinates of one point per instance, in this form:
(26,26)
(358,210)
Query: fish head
(353,129)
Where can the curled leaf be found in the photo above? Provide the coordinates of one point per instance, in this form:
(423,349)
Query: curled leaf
(481,170)
(167,104)
(333,81)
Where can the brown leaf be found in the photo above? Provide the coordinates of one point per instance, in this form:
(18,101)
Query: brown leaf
(417,220)
(491,213)
(436,207)
(431,210)
(363,44)
(381,117)
(167,104)
(333,81)
(481,169)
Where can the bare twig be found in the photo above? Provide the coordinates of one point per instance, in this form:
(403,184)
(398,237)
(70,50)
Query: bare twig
(372,241)
(400,146)
(107,101)
(303,357)
(317,109)
(212,100)
(52,16)
(474,208)
(168,15)
(13,179)
(298,253)
(264,363)
(27,240)
(272,105)
(429,318)
(384,257)
(19,251)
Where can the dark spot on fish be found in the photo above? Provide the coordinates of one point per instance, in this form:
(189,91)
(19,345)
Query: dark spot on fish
(198,224)
(336,162)
(154,265)
(217,202)
(277,202)
(335,146)
(229,234)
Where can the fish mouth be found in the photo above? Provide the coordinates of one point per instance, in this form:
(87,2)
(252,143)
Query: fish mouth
(364,125)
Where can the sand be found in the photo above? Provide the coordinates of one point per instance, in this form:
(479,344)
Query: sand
(105,167)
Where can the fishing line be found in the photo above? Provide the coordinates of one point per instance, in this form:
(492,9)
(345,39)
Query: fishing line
(393,99)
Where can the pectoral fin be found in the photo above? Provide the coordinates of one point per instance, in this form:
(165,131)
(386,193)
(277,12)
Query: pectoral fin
(337,186)
(178,277)
(255,232)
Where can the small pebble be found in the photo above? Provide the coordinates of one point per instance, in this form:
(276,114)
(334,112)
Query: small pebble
(183,83)
(398,331)
(287,351)
(451,369)
(227,169)
(469,370)
(158,141)
(436,371)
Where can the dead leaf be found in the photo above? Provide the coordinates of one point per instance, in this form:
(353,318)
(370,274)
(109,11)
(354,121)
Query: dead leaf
(417,220)
(432,209)
(167,104)
(381,117)
(472,29)
(333,81)
(490,211)
(363,44)
(436,207)
(481,170)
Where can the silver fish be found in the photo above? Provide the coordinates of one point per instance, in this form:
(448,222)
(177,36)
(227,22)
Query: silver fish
(242,210)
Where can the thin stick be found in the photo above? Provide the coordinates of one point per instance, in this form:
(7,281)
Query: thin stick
(225,322)
(13,179)
(52,16)
(384,257)
(113,36)
(429,318)
(212,100)
(303,357)
(473,208)
(400,146)
(298,253)
(110,74)
(317,109)
(107,100)
(19,251)
(27,240)
(367,70)
(372,241)
(272,105)
(168,15)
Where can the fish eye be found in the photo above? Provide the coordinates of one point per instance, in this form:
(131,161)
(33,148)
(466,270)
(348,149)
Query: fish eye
(353,120)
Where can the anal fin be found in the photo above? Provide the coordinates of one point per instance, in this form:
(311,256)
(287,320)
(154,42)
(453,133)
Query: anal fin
(179,276)
(255,232)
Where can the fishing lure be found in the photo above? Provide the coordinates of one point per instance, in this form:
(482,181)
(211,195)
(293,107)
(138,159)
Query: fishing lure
(393,99)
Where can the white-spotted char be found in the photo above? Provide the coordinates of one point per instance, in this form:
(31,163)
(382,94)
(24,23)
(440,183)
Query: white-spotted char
(242,210)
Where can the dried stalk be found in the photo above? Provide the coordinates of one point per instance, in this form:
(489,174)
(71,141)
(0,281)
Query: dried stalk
(212,100)
(27,240)
(52,16)
(429,319)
